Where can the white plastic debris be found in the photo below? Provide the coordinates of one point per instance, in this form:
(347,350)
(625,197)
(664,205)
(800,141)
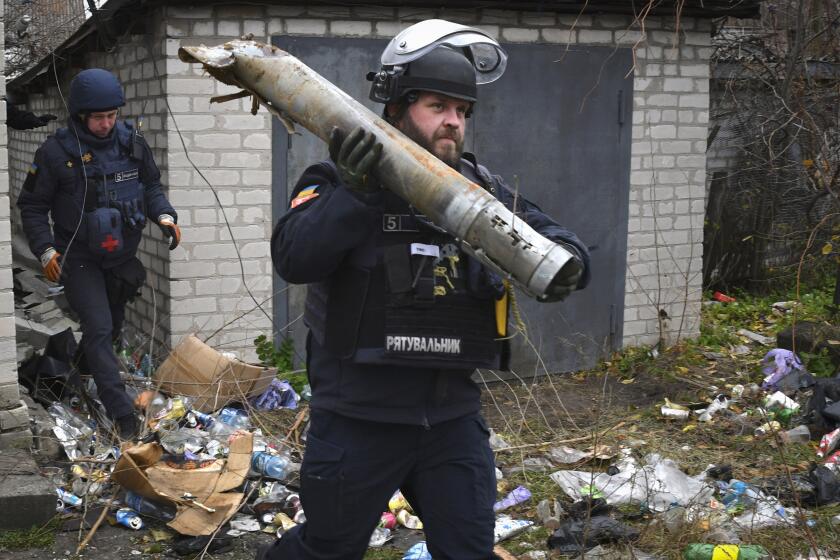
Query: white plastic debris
(506,528)
(245,523)
(720,402)
(379,537)
(755,337)
(567,455)
(779,399)
(496,441)
(659,484)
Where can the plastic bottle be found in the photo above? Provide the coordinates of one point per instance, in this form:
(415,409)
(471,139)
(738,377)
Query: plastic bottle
(144,506)
(697,551)
(799,434)
(221,431)
(271,466)
(784,416)
(234,417)
(734,493)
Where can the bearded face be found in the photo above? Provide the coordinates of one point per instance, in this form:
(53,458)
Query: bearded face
(437,122)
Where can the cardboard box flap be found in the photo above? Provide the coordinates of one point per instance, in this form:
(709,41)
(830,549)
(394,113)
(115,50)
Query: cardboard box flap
(194,521)
(139,469)
(196,370)
(130,470)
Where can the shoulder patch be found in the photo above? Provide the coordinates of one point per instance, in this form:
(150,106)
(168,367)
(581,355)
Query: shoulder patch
(29,182)
(308,193)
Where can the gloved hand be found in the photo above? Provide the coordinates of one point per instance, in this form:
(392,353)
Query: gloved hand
(130,213)
(356,156)
(170,230)
(45,118)
(565,282)
(136,217)
(50,264)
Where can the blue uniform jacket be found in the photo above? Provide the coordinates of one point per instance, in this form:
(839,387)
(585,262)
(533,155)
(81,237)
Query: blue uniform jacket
(55,184)
(329,225)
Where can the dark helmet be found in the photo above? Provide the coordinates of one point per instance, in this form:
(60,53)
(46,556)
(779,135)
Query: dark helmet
(440,56)
(442,70)
(95,89)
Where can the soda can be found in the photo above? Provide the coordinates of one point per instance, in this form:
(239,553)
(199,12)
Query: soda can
(79,471)
(388,520)
(668,412)
(66,499)
(768,428)
(283,521)
(292,505)
(127,517)
(204,419)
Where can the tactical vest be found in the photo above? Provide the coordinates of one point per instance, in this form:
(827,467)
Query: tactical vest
(113,204)
(423,304)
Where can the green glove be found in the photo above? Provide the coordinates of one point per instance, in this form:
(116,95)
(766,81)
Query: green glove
(356,156)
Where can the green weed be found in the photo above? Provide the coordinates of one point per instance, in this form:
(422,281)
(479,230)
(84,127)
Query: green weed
(281,358)
(36,537)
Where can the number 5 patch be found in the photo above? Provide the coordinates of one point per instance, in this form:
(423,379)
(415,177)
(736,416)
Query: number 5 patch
(308,193)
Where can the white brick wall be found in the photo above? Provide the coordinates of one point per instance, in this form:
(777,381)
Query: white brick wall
(9,393)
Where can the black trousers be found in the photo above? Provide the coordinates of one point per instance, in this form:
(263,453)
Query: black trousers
(87,286)
(352,467)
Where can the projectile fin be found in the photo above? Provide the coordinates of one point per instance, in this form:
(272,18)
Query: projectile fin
(229,97)
(284,118)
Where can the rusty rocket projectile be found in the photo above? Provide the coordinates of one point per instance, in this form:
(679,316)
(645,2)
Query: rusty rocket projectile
(484,227)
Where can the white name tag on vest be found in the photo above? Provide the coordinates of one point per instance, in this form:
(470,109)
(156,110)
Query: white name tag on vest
(425,250)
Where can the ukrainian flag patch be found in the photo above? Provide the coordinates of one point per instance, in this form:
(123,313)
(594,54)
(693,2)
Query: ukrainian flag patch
(33,169)
(308,193)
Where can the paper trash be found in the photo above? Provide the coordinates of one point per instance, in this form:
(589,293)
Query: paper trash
(139,469)
(212,380)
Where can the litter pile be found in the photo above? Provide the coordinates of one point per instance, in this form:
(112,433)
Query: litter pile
(207,470)
(203,465)
(624,492)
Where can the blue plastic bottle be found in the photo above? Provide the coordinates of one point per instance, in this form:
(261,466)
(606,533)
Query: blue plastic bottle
(270,466)
(733,494)
(146,507)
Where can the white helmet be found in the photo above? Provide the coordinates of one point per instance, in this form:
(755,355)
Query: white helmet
(482,52)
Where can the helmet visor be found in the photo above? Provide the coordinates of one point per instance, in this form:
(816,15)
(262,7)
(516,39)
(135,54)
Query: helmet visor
(487,56)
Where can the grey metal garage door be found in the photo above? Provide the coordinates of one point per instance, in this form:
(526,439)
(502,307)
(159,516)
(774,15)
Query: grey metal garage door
(558,125)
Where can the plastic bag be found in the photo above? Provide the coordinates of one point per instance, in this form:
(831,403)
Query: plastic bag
(659,484)
(278,395)
(579,535)
(506,528)
(780,363)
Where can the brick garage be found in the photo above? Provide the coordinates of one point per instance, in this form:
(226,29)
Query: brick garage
(199,287)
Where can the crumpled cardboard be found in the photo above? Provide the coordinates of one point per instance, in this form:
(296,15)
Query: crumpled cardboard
(212,380)
(140,470)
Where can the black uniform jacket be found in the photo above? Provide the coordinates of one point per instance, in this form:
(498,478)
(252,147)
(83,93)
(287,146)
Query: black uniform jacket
(62,185)
(326,227)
